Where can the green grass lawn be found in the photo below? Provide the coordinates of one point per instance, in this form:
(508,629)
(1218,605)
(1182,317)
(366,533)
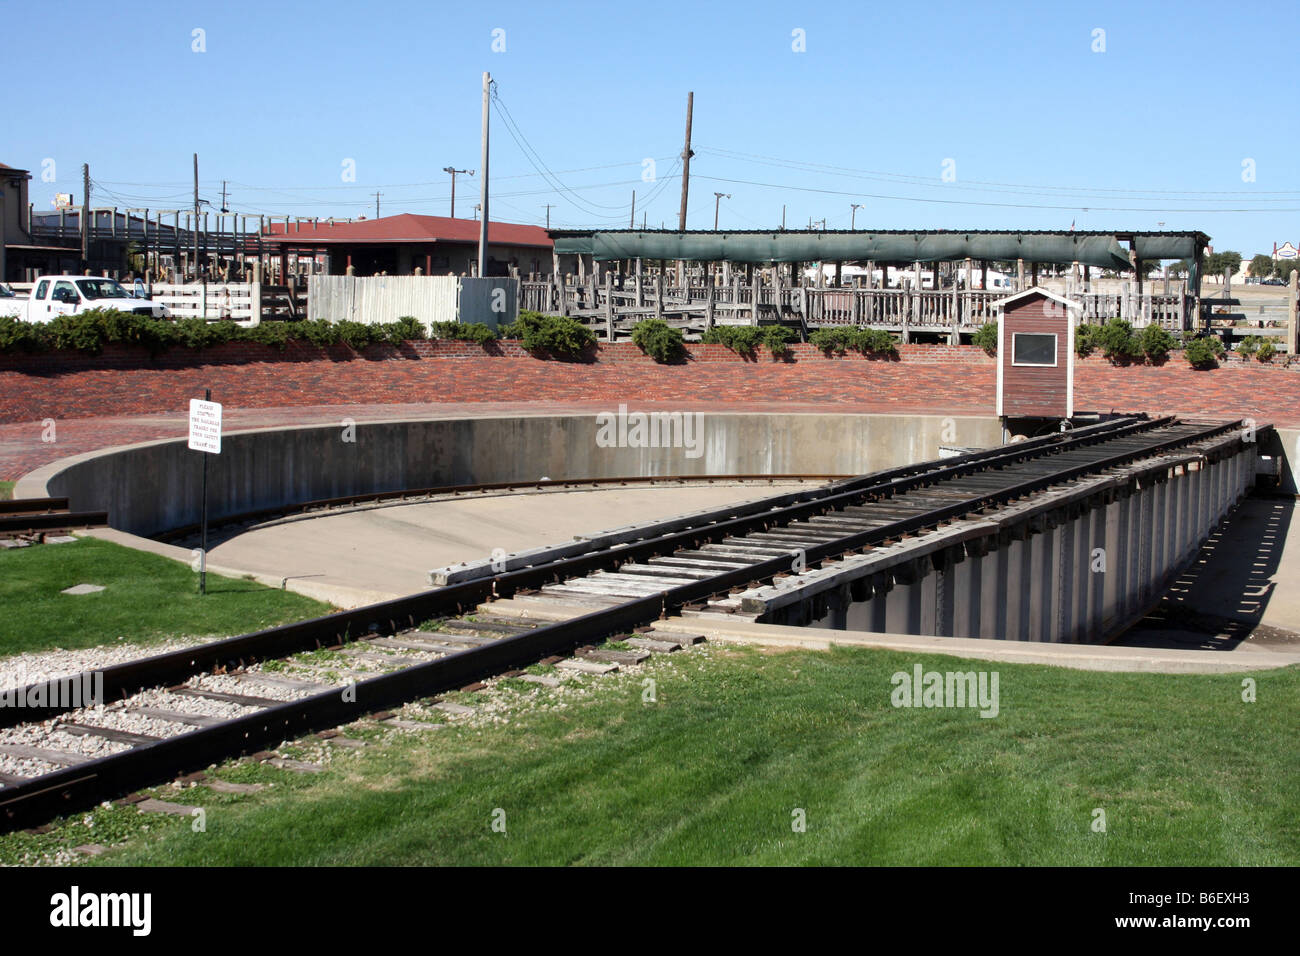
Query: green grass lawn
(147,598)
(738,741)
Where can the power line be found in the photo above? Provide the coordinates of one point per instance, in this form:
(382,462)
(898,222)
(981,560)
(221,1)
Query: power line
(537,163)
(972,202)
(879,175)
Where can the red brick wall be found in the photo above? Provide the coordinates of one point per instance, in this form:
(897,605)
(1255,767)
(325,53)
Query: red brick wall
(925,378)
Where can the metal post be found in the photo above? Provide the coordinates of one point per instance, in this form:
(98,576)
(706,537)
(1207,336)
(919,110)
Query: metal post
(203,533)
(196,218)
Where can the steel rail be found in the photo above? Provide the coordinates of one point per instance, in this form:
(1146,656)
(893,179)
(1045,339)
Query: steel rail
(387,617)
(74,788)
(32,506)
(45,521)
(320,507)
(121,680)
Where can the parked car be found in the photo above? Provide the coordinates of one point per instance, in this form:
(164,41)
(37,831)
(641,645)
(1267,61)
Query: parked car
(53,296)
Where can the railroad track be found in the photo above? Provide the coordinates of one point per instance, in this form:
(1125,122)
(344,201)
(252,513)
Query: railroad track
(31,519)
(183,710)
(323,507)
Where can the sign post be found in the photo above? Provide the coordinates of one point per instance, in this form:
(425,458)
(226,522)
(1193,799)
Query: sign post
(205,437)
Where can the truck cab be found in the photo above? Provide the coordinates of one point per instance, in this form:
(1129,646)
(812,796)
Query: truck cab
(53,296)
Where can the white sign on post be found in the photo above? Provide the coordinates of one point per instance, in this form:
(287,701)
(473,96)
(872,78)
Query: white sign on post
(205,426)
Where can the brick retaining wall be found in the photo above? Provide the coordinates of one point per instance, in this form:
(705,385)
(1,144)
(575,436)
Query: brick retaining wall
(127,381)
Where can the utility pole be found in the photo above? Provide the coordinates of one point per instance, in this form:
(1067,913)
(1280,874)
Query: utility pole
(448,169)
(377,195)
(631,221)
(85,216)
(483,183)
(223,197)
(717,201)
(783,217)
(686,182)
(686,162)
(853,215)
(196,217)
(549,207)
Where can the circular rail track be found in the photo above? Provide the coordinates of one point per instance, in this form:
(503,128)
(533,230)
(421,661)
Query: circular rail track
(61,757)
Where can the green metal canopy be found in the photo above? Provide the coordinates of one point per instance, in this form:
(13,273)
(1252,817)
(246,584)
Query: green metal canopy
(1101,249)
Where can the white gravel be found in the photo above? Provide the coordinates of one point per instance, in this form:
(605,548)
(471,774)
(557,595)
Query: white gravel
(19,670)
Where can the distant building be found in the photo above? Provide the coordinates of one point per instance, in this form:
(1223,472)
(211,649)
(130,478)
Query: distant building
(19,252)
(1285,251)
(398,245)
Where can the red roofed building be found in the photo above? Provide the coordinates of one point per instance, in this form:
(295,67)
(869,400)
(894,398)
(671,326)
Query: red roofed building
(398,245)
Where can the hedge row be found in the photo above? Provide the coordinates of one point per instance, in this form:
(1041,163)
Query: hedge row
(1121,344)
(745,339)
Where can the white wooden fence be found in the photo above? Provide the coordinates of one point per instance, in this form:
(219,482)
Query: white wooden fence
(240,302)
(376,299)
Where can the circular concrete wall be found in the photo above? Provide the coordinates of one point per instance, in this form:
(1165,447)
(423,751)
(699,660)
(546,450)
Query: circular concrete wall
(152,487)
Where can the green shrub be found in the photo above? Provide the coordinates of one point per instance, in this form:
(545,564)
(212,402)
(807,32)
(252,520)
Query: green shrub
(986,338)
(274,334)
(1117,341)
(839,339)
(1204,352)
(1085,340)
(554,334)
(1156,343)
(475,332)
(659,340)
(741,339)
(200,334)
(1249,345)
(17,336)
(320,332)
(778,338)
(877,341)
(91,331)
(357,335)
(1266,351)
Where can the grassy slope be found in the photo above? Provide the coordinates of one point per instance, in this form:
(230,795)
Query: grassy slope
(148,597)
(1186,772)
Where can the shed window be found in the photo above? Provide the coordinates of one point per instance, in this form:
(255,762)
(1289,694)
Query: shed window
(1033,348)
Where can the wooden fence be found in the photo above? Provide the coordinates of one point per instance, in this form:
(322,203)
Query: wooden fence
(612,307)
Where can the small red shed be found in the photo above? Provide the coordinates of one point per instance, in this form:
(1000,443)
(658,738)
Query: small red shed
(1036,355)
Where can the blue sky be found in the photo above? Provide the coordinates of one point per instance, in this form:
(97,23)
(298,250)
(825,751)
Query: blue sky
(1040,129)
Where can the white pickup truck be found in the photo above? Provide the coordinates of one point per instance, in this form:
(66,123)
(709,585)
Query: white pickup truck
(53,296)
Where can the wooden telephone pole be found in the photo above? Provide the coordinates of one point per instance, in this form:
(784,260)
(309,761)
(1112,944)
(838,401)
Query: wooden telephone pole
(483,183)
(686,179)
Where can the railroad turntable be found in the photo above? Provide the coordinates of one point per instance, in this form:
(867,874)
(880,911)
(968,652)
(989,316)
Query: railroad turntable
(932,548)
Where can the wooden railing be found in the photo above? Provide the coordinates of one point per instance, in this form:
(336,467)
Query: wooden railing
(612,305)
